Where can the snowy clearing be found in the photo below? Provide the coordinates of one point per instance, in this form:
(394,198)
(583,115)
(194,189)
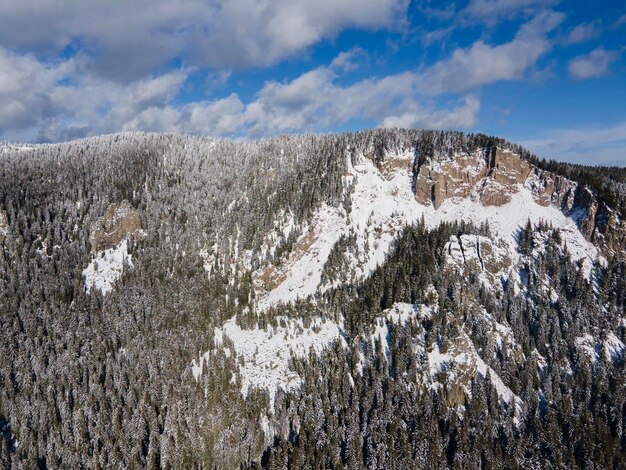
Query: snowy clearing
(266,353)
(106,268)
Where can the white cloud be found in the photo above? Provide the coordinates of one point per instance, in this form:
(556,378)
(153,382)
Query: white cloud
(482,63)
(583,32)
(315,100)
(47,106)
(348,60)
(129,39)
(600,145)
(102,105)
(219,117)
(59,101)
(25,85)
(462,116)
(491,12)
(592,65)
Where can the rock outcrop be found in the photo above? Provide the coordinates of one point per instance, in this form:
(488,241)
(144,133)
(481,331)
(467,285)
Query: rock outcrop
(119,222)
(489,175)
(492,176)
(601,225)
(480,254)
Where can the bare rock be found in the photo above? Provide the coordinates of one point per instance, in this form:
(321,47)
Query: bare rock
(120,221)
(492,176)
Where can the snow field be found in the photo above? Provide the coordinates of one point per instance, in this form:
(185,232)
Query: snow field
(106,268)
(265,354)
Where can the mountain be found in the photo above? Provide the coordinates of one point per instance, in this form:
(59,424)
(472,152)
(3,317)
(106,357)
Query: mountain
(381,299)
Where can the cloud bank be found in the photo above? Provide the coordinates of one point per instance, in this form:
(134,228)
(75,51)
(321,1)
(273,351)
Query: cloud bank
(71,97)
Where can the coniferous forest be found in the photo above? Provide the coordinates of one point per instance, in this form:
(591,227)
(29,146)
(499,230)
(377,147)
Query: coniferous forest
(92,379)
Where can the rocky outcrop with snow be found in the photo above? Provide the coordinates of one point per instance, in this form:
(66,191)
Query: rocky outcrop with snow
(119,222)
(494,187)
(109,242)
(493,176)
(481,254)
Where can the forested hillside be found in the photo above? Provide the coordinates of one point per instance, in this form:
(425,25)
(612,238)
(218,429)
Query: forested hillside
(380,299)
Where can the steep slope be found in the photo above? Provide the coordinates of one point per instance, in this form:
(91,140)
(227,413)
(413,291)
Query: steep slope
(492,187)
(380,299)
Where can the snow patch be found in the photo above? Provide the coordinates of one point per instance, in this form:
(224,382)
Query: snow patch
(264,354)
(106,268)
(541,361)
(612,347)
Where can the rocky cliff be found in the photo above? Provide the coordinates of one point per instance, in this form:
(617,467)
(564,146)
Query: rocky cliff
(118,223)
(492,176)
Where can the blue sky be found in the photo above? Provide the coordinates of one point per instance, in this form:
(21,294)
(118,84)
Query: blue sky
(548,74)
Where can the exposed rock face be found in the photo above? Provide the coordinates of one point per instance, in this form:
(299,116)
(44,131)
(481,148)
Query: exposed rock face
(493,175)
(455,178)
(486,175)
(601,225)
(390,166)
(119,222)
(550,189)
(461,364)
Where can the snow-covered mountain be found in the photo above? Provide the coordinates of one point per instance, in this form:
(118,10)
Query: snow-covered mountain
(236,303)
(491,187)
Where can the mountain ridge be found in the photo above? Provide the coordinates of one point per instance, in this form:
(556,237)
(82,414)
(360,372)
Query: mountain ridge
(178,301)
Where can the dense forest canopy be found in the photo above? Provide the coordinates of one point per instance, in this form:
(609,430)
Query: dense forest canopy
(89,380)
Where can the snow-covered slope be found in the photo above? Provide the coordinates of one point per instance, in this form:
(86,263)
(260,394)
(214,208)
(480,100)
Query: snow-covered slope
(491,260)
(377,206)
(265,354)
(380,202)
(460,365)
(107,267)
